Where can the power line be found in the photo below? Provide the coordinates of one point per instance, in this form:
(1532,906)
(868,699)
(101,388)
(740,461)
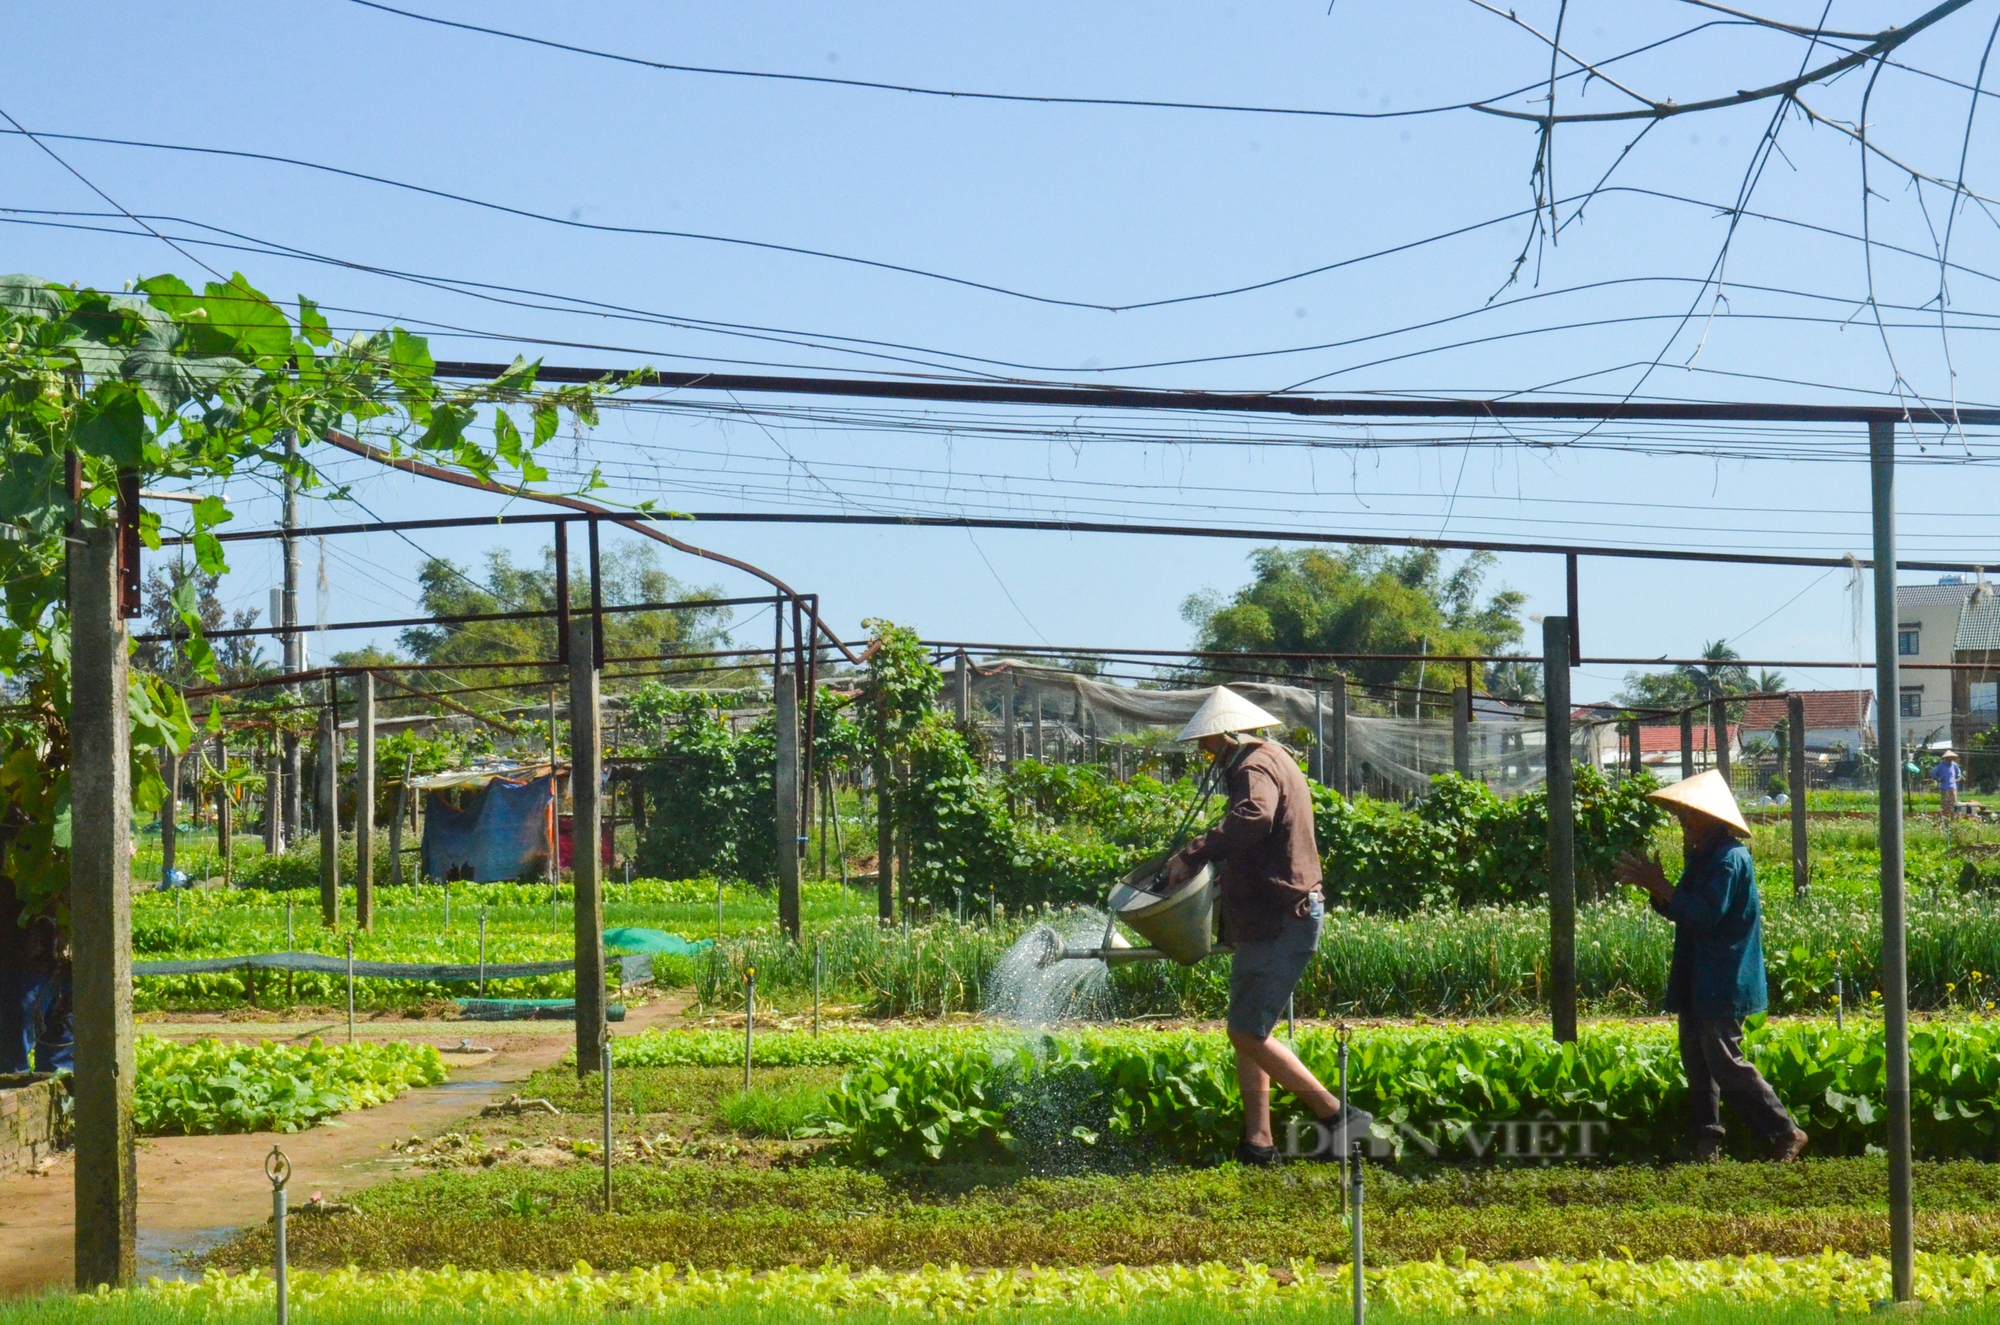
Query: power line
(912,89)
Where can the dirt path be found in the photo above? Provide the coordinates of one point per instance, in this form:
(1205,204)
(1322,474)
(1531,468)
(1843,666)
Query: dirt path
(196,1190)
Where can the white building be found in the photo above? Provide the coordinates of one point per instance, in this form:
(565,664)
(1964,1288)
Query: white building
(1926,631)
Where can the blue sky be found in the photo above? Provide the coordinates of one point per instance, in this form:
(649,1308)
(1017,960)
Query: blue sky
(1106,205)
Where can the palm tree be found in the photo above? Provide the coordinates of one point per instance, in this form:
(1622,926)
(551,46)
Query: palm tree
(1769,682)
(1717,674)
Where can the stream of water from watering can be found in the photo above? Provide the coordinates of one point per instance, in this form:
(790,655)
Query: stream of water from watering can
(1026,991)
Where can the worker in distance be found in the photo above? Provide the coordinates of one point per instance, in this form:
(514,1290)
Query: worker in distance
(1267,856)
(1717,977)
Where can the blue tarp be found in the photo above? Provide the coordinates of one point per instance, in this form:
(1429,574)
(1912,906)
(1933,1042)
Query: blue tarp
(501,834)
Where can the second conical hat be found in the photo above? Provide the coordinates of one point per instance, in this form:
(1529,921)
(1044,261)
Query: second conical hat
(1706,794)
(1225,711)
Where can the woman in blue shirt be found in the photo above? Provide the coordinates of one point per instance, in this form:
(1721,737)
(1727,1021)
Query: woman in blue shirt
(1947,773)
(1717,977)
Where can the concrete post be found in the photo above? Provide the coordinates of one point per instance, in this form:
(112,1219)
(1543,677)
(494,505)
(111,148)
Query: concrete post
(364,802)
(961,687)
(788,818)
(1889,801)
(1336,736)
(1562,829)
(107,1174)
(1687,743)
(1461,731)
(586,783)
(1038,726)
(1638,764)
(328,761)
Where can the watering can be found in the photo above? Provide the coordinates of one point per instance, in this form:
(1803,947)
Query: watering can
(1180,925)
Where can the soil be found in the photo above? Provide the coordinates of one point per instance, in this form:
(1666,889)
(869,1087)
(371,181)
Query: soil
(196,1191)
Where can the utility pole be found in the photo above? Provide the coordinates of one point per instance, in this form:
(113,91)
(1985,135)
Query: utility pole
(288,605)
(785,711)
(1889,801)
(364,802)
(107,1171)
(586,780)
(1562,829)
(329,806)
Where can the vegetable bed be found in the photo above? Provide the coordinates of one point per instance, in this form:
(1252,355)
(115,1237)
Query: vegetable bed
(210,1086)
(1437,1288)
(1135,1096)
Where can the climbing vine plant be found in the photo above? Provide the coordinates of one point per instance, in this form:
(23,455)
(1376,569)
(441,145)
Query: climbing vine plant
(162,383)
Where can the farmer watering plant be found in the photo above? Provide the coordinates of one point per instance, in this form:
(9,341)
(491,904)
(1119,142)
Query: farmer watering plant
(1717,976)
(1272,911)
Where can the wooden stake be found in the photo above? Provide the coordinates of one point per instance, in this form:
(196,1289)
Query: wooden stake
(1718,723)
(329,810)
(1795,718)
(785,712)
(1562,829)
(225,812)
(170,773)
(586,780)
(1461,731)
(396,822)
(364,802)
(1336,734)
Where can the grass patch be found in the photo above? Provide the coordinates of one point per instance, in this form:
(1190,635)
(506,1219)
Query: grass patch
(783,1111)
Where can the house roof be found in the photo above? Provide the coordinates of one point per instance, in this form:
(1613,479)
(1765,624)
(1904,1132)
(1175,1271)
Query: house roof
(1978,622)
(1931,595)
(1667,740)
(1826,710)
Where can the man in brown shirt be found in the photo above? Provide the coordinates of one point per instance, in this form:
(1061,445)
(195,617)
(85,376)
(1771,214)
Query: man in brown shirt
(1272,911)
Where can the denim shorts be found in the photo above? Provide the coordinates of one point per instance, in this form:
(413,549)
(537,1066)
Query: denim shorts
(1263,973)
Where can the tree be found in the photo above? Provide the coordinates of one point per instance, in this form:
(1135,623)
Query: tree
(628,573)
(1697,683)
(1768,682)
(1518,682)
(1361,600)
(162,383)
(171,592)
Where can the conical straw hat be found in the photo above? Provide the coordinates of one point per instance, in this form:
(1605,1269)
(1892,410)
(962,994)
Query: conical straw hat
(1225,711)
(1707,794)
